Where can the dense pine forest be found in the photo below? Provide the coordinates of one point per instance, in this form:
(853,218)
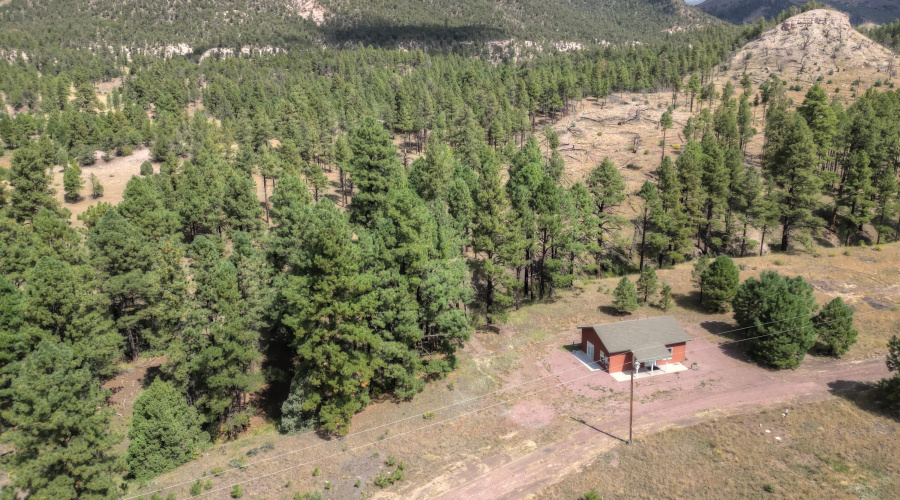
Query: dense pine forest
(452,210)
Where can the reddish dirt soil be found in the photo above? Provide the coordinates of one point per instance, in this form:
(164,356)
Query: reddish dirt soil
(723,383)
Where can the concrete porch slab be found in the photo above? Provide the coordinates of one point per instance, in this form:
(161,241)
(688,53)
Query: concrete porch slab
(625,376)
(586,361)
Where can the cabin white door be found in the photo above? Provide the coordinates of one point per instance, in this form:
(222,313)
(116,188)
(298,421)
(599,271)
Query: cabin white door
(590,350)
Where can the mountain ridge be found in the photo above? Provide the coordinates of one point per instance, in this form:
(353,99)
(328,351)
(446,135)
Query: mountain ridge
(748,11)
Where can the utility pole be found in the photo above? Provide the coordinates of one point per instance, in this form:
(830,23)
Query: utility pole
(631,414)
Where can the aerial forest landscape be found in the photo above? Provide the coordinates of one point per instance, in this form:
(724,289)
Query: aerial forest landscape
(397,249)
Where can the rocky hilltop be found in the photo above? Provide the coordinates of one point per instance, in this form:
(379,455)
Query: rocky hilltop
(819,45)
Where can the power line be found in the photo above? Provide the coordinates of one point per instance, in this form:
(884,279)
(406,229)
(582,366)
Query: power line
(475,398)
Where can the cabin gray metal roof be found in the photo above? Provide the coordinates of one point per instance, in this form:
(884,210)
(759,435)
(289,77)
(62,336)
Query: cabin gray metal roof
(647,338)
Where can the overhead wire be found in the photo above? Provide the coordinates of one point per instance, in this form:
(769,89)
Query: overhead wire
(468,400)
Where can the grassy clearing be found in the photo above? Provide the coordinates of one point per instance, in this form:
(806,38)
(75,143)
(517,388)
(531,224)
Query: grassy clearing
(832,449)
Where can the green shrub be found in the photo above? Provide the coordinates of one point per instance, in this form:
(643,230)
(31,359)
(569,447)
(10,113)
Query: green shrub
(196,488)
(625,299)
(591,495)
(237,491)
(164,432)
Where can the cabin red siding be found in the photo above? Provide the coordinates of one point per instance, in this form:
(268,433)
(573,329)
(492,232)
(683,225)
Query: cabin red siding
(678,354)
(622,361)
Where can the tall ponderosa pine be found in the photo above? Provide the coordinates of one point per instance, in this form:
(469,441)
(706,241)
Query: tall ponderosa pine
(375,170)
(792,161)
(607,188)
(321,301)
(59,429)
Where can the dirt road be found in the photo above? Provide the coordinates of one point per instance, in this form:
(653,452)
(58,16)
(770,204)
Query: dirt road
(725,383)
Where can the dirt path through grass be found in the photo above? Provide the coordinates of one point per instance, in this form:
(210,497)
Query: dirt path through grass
(735,387)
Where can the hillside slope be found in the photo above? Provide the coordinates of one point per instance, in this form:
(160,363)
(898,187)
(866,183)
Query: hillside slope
(153,25)
(748,11)
(819,45)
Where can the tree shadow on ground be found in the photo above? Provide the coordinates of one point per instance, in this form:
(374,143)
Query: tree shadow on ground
(723,329)
(150,375)
(611,311)
(690,301)
(864,395)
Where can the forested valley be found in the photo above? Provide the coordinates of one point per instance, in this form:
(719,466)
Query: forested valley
(451,209)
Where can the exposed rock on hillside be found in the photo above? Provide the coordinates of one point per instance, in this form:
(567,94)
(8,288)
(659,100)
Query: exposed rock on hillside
(818,43)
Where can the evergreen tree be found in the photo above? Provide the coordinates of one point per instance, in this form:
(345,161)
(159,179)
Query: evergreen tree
(776,314)
(213,358)
(30,180)
(375,170)
(665,297)
(665,123)
(321,301)
(61,305)
(72,182)
(96,187)
(834,325)
(625,299)
(165,431)
(647,284)
(719,284)
(59,429)
(888,389)
(607,188)
(792,161)
(495,243)
(241,206)
(121,255)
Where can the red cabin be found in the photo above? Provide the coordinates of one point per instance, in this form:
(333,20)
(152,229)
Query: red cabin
(653,342)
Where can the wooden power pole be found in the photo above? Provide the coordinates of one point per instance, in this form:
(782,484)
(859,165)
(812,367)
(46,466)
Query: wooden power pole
(631,413)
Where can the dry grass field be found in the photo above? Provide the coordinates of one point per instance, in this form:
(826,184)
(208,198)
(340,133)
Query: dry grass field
(831,449)
(520,406)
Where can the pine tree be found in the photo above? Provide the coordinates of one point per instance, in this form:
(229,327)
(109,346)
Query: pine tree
(320,303)
(241,206)
(164,433)
(62,438)
(143,206)
(495,243)
(665,297)
(62,305)
(834,326)
(290,210)
(776,314)
(96,187)
(375,170)
(665,122)
(719,284)
(72,182)
(625,299)
(647,283)
(791,161)
(213,358)
(121,254)
(607,188)
(30,180)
